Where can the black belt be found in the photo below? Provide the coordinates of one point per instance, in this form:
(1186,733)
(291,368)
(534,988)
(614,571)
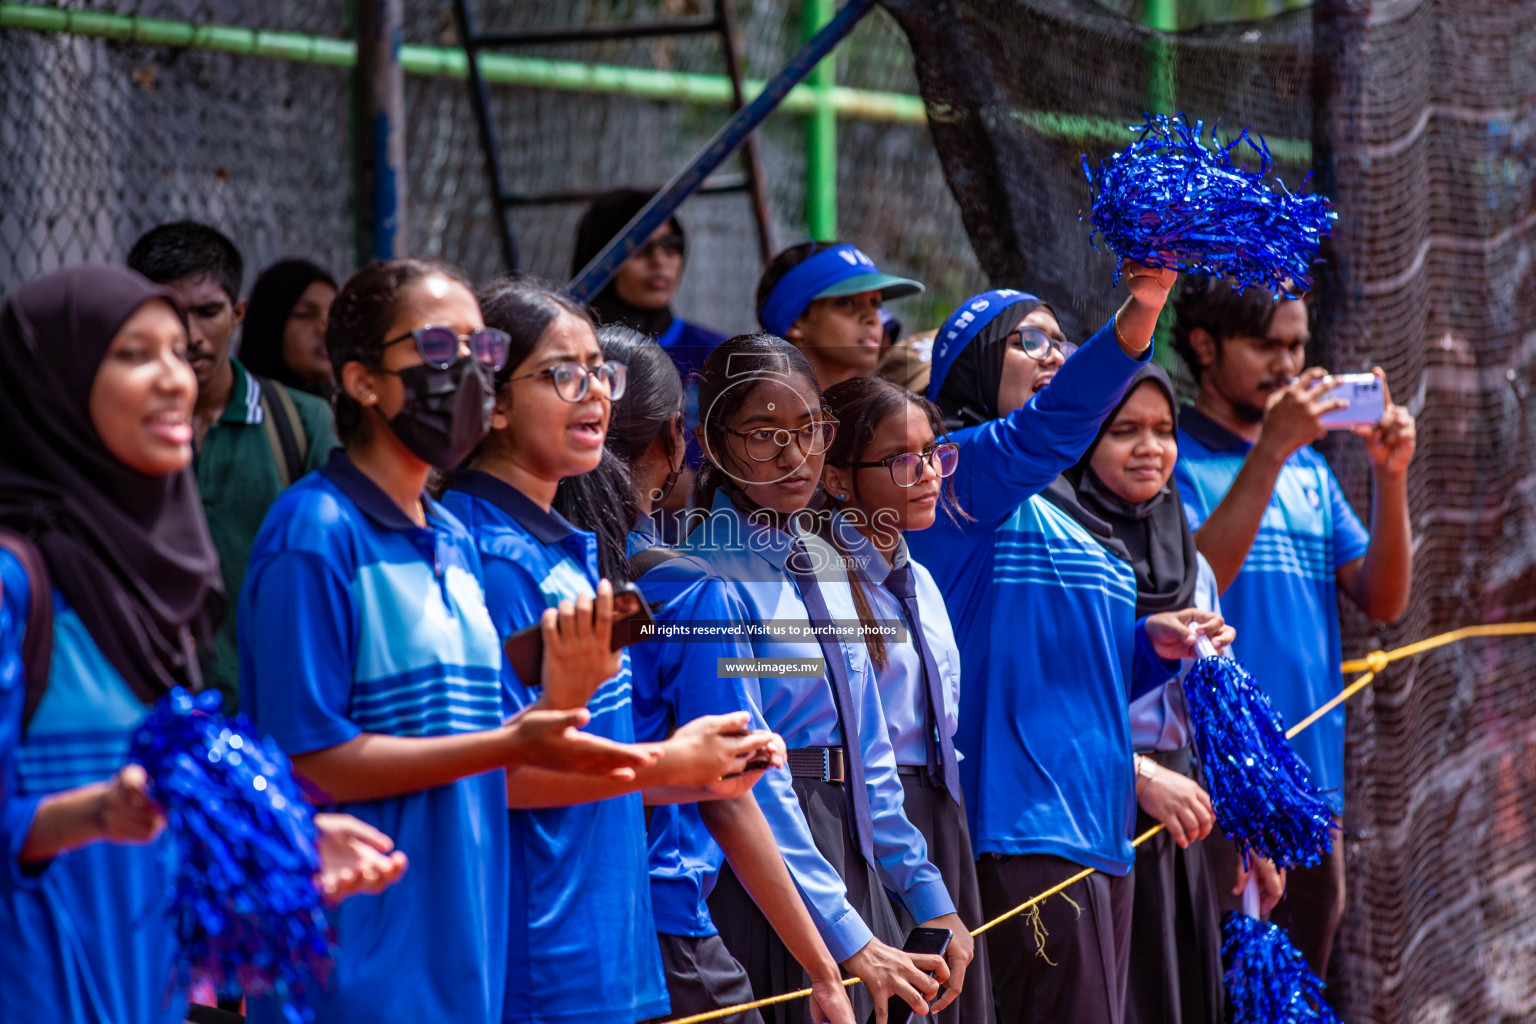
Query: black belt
(825,763)
(920,772)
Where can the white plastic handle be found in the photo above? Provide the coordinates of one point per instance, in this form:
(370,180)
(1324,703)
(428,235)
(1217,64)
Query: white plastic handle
(1251,896)
(1204,647)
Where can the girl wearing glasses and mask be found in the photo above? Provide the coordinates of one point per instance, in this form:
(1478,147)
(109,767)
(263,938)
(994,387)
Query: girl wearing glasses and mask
(1048,636)
(765,432)
(369,654)
(887,471)
(582,945)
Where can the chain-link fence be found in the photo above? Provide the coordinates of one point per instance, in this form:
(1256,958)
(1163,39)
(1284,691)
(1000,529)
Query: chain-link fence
(100,140)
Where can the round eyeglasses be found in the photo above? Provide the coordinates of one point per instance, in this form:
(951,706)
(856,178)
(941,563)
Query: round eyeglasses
(1036,344)
(765,443)
(439,346)
(573,380)
(907,467)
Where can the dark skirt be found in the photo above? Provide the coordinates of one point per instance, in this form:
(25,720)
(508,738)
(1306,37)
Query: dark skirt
(1080,979)
(702,976)
(753,942)
(942,823)
(1175,959)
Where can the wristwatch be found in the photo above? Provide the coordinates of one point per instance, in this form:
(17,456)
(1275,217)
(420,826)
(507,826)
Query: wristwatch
(1145,769)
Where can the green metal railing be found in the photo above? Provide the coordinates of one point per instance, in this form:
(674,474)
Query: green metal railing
(820,99)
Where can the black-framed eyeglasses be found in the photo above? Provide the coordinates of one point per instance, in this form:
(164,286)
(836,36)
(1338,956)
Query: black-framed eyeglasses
(1036,344)
(573,380)
(765,443)
(907,467)
(667,245)
(439,346)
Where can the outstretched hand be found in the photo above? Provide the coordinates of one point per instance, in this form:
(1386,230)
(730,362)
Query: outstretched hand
(355,857)
(554,740)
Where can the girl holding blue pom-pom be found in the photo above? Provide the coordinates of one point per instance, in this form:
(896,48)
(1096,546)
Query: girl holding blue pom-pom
(104,542)
(1045,625)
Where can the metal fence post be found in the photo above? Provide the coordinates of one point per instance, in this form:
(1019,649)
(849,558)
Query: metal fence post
(380,121)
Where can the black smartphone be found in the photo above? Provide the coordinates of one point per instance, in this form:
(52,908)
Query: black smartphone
(933,941)
(525,648)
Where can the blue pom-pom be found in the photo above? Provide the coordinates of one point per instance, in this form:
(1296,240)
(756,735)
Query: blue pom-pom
(242,838)
(1170,199)
(1263,795)
(1268,981)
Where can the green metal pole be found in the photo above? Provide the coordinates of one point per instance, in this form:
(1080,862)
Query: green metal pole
(821,133)
(1162,90)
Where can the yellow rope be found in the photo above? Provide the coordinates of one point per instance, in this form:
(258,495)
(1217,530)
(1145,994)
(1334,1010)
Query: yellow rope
(1370,664)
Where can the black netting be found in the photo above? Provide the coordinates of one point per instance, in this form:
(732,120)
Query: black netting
(1419,116)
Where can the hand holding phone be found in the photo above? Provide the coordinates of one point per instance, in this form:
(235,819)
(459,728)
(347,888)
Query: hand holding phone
(930,941)
(1367,400)
(578,661)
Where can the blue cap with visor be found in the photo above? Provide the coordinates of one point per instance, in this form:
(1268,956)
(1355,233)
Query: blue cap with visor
(839,270)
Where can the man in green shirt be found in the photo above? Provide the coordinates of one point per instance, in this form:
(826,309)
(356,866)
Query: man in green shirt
(253,436)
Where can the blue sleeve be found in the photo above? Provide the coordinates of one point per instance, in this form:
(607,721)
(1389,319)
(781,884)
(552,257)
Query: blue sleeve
(515,602)
(1148,669)
(901,853)
(1005,461)
(16,812)
(1350,537)
(299,653)
(821,887)
(1189,494)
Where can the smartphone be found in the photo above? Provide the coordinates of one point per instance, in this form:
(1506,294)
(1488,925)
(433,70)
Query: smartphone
(525,648)
(1366,397)
(933,941)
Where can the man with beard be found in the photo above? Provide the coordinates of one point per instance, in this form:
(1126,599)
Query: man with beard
(252,436)
(1275,526)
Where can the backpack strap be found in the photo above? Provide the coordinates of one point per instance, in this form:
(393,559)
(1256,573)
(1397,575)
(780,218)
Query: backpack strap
(290,446)
(644,561)
(37,644)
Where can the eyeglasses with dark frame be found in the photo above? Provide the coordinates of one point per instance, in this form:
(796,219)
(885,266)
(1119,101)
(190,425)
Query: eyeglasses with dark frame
(1036,344)
(906,468)
(439,346)
(573,380)
(765,443)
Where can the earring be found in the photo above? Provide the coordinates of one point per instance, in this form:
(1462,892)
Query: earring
(367,397)
(842,497)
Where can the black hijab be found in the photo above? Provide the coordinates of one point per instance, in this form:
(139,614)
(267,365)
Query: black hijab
(1153,536)
(969,395)
(604,219)
(131,553)
(273,297)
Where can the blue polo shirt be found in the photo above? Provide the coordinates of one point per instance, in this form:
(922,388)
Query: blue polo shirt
(87,936)
(355,620)
(582,944)
(676,682)
(1285,599)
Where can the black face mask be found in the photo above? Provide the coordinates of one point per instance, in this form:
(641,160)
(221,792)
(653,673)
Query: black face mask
(446,412)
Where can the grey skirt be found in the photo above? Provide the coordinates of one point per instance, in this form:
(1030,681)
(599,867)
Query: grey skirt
(753,942)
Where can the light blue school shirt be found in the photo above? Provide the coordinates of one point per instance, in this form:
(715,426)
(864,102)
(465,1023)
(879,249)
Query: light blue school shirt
(903,694)
(1160,717)
(87,936)
(1285,599)
(355,620)
(582,942)
(676,681)
(801,710)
